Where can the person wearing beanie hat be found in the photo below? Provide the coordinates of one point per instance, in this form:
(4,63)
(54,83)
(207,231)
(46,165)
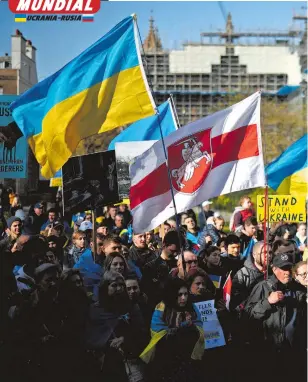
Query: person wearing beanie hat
(12,220)
(13,231)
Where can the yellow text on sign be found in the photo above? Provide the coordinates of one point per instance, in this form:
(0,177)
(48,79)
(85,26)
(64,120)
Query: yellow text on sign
(282,207)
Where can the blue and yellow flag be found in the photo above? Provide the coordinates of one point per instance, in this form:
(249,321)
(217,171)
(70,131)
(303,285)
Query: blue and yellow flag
(288,174)
(148,129)
(103,88)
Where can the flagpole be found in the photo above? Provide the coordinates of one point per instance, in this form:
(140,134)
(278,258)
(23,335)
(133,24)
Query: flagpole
(265,230)
(174,110)
(166,156)
(266,210)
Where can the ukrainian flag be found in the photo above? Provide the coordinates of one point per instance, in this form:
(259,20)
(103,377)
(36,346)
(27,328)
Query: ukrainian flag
(288,174)
(103,88)
(20,18)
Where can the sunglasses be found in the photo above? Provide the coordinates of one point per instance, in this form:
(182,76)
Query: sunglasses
(191,262)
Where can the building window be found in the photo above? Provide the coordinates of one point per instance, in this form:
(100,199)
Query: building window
(1,90)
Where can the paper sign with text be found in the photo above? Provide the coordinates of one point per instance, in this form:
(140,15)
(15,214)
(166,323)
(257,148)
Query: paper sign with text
(213,333)
(282,207)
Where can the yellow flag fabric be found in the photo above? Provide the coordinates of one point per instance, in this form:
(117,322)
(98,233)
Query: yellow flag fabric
(103,88)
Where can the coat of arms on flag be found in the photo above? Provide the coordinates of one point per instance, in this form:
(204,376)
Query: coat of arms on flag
(190,161)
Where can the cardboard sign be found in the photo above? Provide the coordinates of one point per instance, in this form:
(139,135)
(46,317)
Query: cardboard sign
(213,333)
(282,207)
(89,182)
(13,160)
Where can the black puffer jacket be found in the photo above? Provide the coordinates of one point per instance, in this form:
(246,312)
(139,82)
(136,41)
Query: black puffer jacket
(273,319)
(243,283)
(140,257)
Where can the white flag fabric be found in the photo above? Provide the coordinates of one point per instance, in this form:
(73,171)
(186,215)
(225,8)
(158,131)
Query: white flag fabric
(213,156)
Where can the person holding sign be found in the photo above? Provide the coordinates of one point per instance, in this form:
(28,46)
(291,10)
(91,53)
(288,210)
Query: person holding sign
(177,337)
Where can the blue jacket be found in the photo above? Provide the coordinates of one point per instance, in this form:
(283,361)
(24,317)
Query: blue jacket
(208,230)
(90,271)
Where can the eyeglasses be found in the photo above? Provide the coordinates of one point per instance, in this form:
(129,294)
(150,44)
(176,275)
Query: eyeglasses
(191,262)
(303,275)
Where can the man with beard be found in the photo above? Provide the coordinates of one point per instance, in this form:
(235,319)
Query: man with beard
(250,275)
(253,272)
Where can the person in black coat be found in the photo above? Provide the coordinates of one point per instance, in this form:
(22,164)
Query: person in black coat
(279,311)
(35,220)
(253,271)
(232,262)
(155,273)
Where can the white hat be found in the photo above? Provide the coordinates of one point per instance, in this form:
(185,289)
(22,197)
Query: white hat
(84,226)
(206,203)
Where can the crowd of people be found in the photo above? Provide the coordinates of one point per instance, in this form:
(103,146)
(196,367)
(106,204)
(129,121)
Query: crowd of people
(118,305)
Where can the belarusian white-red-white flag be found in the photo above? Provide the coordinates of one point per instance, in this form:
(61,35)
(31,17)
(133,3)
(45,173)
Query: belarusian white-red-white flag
(215,155)
(226,290)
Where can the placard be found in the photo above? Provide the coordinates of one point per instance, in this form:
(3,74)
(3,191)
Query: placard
(213,333)
(89,182)
(282,207)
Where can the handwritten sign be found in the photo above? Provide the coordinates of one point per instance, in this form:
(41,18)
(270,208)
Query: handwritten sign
(213,333)
(282,207)
(13,159)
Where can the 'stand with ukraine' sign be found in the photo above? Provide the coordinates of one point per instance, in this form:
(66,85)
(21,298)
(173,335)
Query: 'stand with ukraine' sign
(282,207)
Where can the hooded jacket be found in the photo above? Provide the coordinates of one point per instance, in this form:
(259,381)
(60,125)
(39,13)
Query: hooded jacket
(281,324)
(243,283)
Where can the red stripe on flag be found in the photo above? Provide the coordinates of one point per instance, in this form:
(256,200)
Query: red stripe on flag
(156,183)
(238,144)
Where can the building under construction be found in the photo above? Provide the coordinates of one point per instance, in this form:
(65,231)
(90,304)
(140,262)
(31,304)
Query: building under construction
(202,76)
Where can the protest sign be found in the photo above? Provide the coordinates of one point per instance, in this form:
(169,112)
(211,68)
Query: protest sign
(89,182)
(213,333)
(125,154)
(13,159)
(282,207)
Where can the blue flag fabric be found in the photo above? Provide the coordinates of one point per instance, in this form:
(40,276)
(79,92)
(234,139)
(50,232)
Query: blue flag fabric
(288,174)
(147,129)
(248,249)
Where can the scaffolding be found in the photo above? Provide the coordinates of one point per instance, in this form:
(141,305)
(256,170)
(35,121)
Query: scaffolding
(199,94)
